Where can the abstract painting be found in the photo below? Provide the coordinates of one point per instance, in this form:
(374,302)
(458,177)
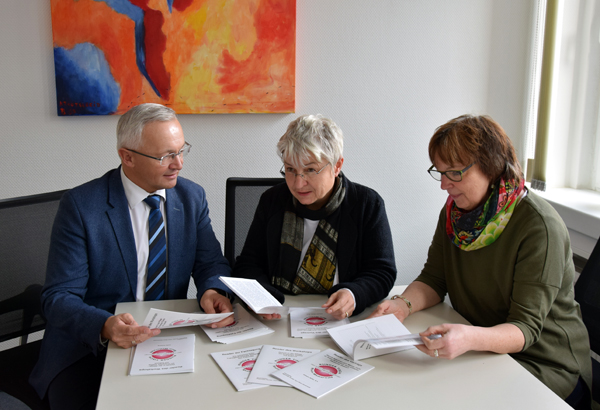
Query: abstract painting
(195,56)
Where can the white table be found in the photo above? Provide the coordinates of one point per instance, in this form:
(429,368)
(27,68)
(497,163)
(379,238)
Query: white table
(409,379)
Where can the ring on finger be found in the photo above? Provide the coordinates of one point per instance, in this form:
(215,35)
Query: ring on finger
(347,315)
(133,342)
(436,353)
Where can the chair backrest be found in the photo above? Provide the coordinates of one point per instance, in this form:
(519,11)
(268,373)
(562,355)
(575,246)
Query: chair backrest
(587,294)
(26,226)
(241,198)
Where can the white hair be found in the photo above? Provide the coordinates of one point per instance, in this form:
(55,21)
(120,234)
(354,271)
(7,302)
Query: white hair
(132,123)
(311,135)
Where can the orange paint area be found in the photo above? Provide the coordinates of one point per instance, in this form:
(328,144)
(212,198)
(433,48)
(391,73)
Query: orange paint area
(203,56)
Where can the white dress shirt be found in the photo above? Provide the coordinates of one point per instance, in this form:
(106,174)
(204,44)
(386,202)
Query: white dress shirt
(139,211)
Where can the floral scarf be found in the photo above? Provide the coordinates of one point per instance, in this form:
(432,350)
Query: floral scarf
(480,227)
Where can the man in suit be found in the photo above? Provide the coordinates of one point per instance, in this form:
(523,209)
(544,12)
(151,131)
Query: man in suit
(100,249)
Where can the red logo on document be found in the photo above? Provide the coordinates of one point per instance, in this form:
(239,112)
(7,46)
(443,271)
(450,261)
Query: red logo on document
(162,354)
(248,365)
(315,321)
(181,322)
(283,363)
(325,370)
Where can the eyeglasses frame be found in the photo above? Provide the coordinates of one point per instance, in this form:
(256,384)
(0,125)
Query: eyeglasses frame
(465,169)
(182,152)
(283,173)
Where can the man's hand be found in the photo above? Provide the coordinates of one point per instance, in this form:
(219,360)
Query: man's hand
(340,305)
(213,302)
(125,332)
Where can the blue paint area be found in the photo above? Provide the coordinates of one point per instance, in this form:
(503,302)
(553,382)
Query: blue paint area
(170,3)
(137,15)
(126,8)
(84,83)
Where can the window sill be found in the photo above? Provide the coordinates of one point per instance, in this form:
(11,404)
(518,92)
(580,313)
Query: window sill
(580,209)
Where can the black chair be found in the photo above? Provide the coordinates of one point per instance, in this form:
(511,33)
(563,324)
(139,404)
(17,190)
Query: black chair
(587,294)
(26,225)
(241,198)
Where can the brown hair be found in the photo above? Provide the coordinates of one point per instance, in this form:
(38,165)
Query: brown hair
(476,139)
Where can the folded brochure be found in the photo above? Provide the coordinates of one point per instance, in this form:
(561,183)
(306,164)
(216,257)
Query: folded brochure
(254,295)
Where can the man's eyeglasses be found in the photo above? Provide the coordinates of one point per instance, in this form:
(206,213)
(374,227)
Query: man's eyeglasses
(169,158)
(455,176)
(309,173)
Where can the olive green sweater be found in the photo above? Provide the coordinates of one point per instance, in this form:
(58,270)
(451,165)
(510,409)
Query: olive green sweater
(524,278)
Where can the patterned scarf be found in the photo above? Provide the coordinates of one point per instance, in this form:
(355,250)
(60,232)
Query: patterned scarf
(482,226)
(317,270)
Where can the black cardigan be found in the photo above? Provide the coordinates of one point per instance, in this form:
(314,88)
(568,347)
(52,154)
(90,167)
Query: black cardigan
(365,252)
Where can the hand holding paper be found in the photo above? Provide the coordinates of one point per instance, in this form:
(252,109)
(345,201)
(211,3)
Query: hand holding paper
(165,319)
(255,295)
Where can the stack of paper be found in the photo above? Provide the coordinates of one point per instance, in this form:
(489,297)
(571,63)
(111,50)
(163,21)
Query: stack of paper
(165,319)
(237,365)
(244,327)
(312,322)
(274,358)
(323,372)
(163,355)
(313,372)
(354,338)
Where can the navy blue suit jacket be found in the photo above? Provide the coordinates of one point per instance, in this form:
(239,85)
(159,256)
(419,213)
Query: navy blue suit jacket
(92,265)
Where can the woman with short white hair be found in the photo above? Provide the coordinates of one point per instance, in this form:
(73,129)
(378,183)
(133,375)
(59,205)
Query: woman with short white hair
(318,232)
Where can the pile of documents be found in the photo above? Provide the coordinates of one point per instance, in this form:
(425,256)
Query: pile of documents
(311,371)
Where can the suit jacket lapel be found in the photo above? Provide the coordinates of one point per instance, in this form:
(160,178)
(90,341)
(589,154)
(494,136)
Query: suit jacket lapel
(118,214)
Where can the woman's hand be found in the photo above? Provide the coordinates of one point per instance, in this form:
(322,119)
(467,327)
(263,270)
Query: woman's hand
(458,339)
(455,340)
(397,307)
(340,304)
(272,316)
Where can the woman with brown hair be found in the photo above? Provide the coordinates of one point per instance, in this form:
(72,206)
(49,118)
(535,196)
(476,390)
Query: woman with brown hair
(503,256)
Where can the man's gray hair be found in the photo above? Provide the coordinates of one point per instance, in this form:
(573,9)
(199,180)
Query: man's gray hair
(311,135)
(132,123)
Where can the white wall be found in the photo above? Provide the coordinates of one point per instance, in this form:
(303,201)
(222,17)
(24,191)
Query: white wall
(387,71)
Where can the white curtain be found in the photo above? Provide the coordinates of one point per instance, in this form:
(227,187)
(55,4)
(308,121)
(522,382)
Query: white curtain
(574,149)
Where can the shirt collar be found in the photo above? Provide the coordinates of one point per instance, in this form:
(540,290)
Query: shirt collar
(135,194)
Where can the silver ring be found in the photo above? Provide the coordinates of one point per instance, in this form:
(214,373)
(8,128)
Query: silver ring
(346,315)
(436,353)
(133,342)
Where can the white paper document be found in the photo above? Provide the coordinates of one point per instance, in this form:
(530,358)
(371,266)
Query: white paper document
(273,358)
(354,338)
(255,295)
(165,319)
(313,322)
(323,372)
(237,365)
(163,355)
(394,341)
(244,327)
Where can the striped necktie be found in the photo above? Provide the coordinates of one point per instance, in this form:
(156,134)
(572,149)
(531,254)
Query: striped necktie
(157,251)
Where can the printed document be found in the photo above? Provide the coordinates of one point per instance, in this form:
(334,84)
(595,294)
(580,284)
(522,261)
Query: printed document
(237,365)
(244,327)
(255,295)
(313,322)
(273,358)
(354,339)
(163,355)
(165,319)
(323,372)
